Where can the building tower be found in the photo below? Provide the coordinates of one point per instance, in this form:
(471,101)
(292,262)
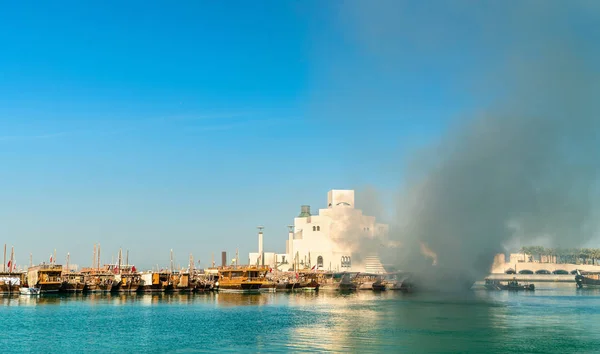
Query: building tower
(261,253)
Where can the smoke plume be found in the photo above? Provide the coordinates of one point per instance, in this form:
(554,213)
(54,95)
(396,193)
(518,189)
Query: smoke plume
(525,166)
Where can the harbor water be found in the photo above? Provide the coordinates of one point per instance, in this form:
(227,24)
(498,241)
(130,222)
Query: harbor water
(549,320)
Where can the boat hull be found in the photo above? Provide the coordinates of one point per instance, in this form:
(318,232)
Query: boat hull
(8,288)
(72,287)
(29,291)
(247,287)
(583,281)
(379,287)
(130,287)
(53,287)
(97,288)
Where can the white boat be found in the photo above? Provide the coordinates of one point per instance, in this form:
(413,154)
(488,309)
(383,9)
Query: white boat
(30,291)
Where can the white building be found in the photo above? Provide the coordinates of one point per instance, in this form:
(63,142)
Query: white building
(338,238)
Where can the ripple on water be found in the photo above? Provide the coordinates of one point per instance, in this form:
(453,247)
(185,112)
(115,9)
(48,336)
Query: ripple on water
(559,320)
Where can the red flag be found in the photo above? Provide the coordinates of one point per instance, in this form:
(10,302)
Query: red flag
(9,264)
(133,268)
(313,268)
(270,270)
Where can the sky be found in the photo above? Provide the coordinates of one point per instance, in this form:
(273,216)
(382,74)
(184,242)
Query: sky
(154,126)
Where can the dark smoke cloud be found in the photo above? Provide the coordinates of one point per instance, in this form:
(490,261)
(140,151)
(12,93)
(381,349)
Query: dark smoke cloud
(526,165)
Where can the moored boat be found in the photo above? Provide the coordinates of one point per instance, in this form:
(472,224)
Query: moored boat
(98,280)
(11,282)
(337,282)
(29,291)
(308,282)
(126,283)
(10,279)
(587,280)
(368,281)
(393,281)
(246,279)
(183,282)
(72,282)
(46,277)
(512,285)
(152,282)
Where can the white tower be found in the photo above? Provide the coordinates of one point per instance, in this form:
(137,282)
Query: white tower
(290,243)
(261,252)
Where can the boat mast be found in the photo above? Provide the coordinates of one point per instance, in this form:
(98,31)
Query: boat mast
(191,271)
(12,259)
(127,260)
(68,256)
(93,265)
(31,259)
(120,256)
(54,258)
(98,268)
(4,262)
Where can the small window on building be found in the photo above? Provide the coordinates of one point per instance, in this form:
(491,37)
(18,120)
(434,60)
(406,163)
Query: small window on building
(314,228)
(320,262)
(318,228)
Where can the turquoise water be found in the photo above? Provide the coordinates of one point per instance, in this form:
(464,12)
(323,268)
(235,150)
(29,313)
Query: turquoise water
(549,320)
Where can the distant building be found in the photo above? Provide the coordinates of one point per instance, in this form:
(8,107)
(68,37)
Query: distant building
(338,238)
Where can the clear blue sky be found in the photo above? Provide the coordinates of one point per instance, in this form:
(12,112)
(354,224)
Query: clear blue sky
(183,125)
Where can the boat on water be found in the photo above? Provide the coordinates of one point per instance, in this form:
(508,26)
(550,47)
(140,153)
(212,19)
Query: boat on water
(512,285)
(308,281)
(285,285)
(72,282)
(204,282)
(98,280)
(10,279)
(369,281)
(393,281)
(589,280)
(126,282)
(46,277)
(10,282)
(29,291)
(183,282)
(337,282)
(156,282)
(436,280)
(242,279)
(127,279)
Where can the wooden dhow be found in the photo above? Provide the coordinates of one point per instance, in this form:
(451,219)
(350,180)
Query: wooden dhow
(10,279)
(241,279)
(46,277)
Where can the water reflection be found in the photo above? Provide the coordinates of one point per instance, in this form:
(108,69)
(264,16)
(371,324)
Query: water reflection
(477,321)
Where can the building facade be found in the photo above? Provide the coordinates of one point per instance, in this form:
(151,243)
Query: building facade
(338,238)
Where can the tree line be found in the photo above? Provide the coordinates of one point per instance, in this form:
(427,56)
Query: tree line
(563,255)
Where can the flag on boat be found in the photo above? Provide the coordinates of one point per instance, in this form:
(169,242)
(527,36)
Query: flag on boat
(133,268)
(9,264)
(51,258)
(270,270)
(313,268)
